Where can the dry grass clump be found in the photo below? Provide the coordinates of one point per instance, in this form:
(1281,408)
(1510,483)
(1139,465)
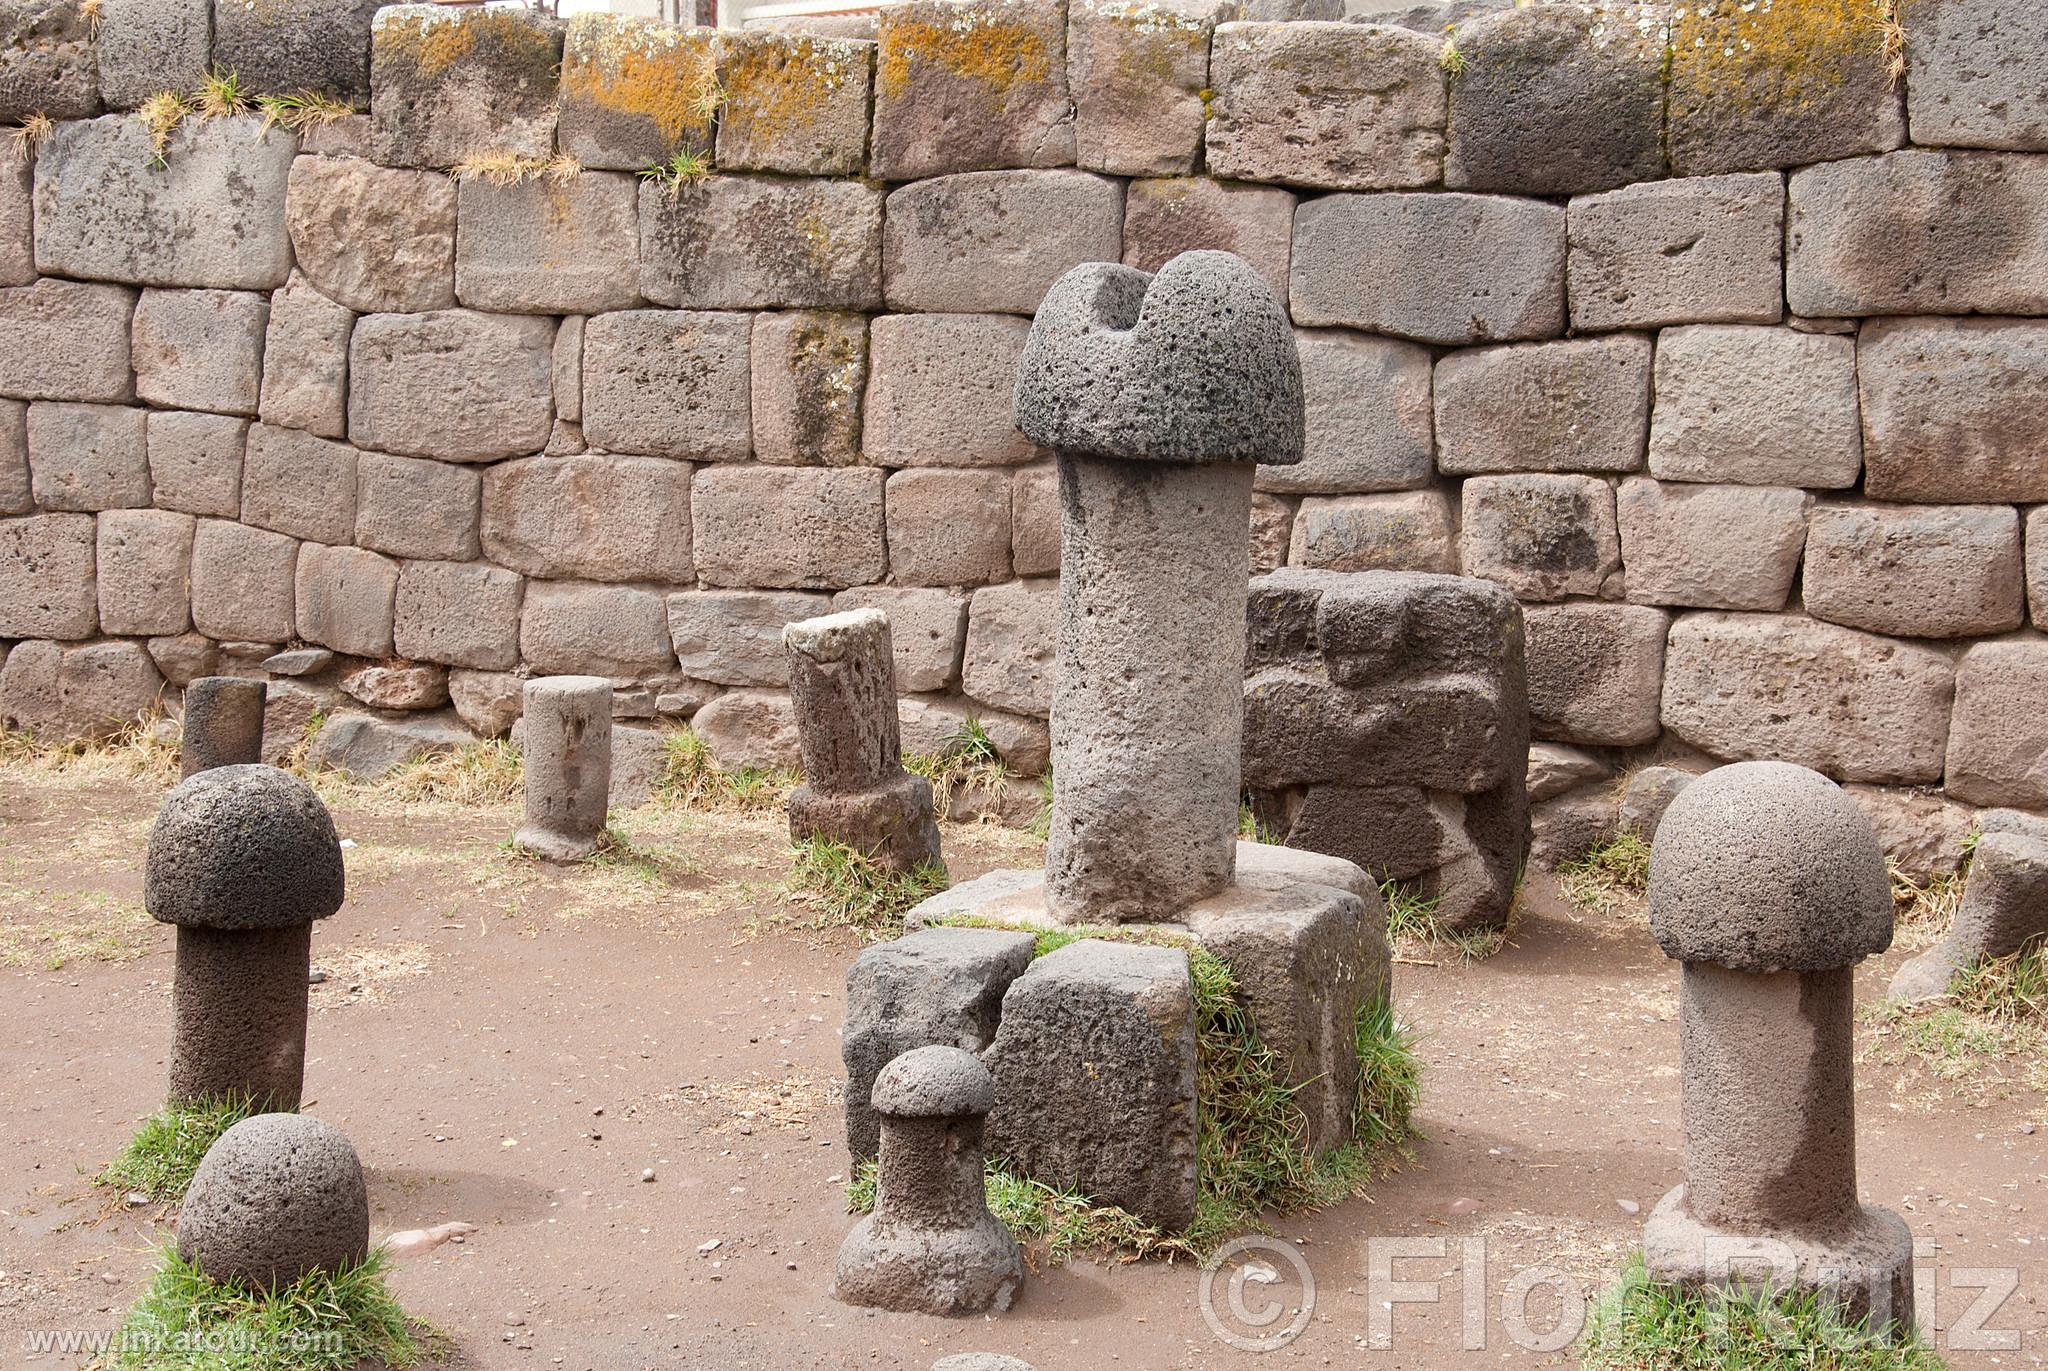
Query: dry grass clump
(1612,875)
(25,142)
(503,169)
(144,749)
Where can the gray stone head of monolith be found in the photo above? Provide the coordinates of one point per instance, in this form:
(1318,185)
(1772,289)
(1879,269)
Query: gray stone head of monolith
(242,860)
(223,724)
(276,1197)
(566,751)
(1768,883)
(931,1246)
(842,680)
(1159,395)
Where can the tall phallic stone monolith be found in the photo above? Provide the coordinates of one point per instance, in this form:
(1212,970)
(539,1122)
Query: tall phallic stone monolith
(931,1246)
(223,724)
(842,680)
(1160,395)
(1769,884)
(242,860)
(567,749)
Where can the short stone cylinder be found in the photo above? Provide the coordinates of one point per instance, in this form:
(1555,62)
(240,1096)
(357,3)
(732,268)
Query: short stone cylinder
(1148,702)
(223,724)
(567,751)
(238,1006)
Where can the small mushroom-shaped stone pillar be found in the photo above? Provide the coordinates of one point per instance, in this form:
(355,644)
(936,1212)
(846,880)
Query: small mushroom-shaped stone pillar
(275,1197)
(1159,395)
(223,724)
(242,860)
(567,751)
(931,1246)
(1768,883)
(842,678)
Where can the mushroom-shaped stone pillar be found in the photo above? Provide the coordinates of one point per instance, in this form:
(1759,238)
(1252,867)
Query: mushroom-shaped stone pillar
(842,678)
(242,860)
(567,723)
(931,1246)
(1159,395)
(223,724)
(1769,884)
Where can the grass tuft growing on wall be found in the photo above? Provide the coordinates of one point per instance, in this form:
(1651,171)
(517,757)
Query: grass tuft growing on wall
(684,168)
(503,169)
(25,141)
(968,768)
(160,1159)
(302,111)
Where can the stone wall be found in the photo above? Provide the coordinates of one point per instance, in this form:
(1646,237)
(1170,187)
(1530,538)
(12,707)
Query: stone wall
(1705,331)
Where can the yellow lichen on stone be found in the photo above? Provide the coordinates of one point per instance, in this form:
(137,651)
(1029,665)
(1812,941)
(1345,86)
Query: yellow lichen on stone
(1158,45)
(995,53)
(432,43)
(665,75)
(776,87)
(1795,51)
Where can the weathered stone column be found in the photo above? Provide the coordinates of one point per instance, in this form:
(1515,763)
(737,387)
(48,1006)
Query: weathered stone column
(842,678)
(1159,395)
(2005,907)
(567,749)
(242,860)
(223,724)
(1769,884)
(931,1246)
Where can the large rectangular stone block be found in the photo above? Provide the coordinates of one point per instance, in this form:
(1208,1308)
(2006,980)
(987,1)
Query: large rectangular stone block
(788,527)
(668,383)
(794,103)
(940,388)
(295,483)
(595,518)
(1761,86)
(376,239)
(1702,249)
(344,598)
(1747,687)
(734,637)
(451,85)
(971,85)
(1950,410)
(200,349)
(762,242)
(109,209)
(195,462)
(46,61)
(1451,733)
(1331,106)
(1580,405)
(463,614)
(60,694)
(1920,232)
(144,566)
(305,361)
(1557,100)
(1166,217)
(1404,265)
(1035,521)
(1711,547)
(416,507)
(927,629)
(808,371)
(1596,672)
(1756,406)
(46,577)
(565,627)
(995,241)
(1407,531)
(1010,653)
(17,223)
(88,457)
(949,528)
(60,340)
(17,487)
(548,245)
(1975,73)
(636,92)
(1369,423)
(1544,537)
(1140,76)
(1998,744)
(242,583)
(1918,571)
(291,47)
(453,384)
(2037,566)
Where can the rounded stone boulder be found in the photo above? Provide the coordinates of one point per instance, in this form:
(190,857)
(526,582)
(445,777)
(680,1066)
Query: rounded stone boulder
(1765,867)
(934,1083)
(1195,364)
(276,1196)
(237,848)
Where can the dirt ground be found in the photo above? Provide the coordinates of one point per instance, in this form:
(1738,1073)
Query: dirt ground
(512,1046)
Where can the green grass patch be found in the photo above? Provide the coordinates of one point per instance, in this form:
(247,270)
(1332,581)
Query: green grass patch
(1412,919)
(160,1159)
(968,767)
(1640,1325)
(1612,875)
(321,1322)
(848,889)
(1050,1223)
(692,779)
(684,168)
(1987,1033)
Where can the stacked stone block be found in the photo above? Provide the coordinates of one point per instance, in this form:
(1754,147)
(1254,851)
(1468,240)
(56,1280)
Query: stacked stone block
(1732,365)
